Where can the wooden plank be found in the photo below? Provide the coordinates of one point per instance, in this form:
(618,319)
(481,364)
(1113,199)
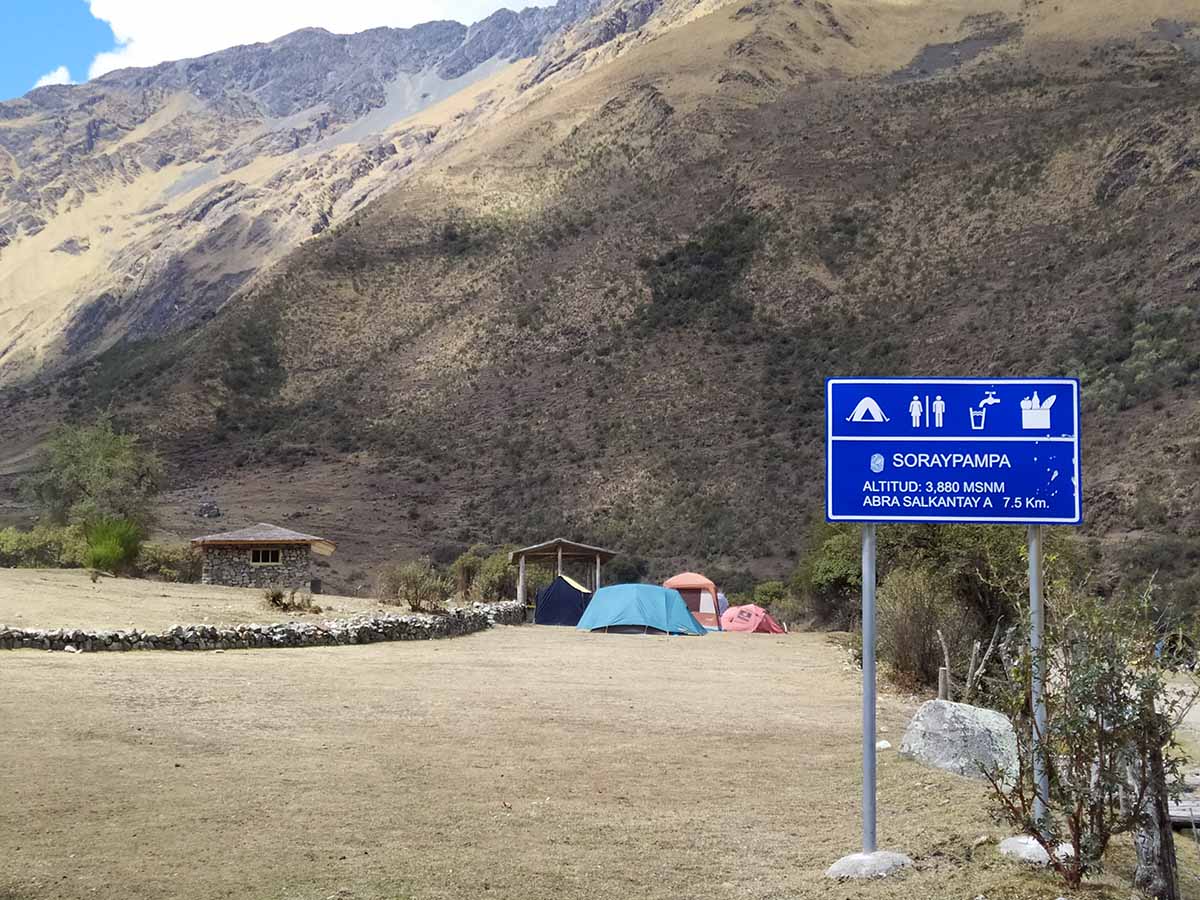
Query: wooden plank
(1185,811)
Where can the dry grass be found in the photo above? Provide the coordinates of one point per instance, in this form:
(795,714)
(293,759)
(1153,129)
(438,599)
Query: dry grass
(69,599)
(520,763)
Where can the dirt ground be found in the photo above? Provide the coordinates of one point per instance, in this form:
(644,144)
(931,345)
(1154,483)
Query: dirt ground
(67,598)
(519,763)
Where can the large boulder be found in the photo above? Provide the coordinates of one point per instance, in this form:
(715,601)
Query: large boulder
(966,740)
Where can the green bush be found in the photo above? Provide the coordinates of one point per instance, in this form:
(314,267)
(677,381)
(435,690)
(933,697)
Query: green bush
(768,594)
(625,569)
(465,571)
(827,583)
(43,547)
(93,472)
(417,585)
(498,579)
(984,567)
(170,562)
(779,600)
(1113,707)
(112,545)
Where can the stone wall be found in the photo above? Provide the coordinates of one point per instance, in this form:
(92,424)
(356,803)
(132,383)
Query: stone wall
(365,629)
(232,566)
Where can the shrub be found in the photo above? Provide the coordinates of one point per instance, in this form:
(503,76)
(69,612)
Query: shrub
(290,600)
(769,594)
(984,568)
(417,584)
(776,598)
(43,547)
(169,562)
(1113,705)
(498,578)
(625,569)
(465,571)
(828,581)
(112,545)
(913,606)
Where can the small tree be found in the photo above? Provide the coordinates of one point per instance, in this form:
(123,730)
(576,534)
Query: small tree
(1109,734)
(90,473)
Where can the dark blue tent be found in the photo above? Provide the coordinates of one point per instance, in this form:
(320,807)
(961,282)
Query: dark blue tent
(561,602)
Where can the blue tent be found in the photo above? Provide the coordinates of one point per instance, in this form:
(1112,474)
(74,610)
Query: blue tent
(639,608)
(561,602)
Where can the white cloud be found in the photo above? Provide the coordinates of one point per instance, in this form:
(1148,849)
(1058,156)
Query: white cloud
(149,32)
(59,76)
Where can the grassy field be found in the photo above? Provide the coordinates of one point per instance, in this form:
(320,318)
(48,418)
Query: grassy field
(518,763)
(68,598)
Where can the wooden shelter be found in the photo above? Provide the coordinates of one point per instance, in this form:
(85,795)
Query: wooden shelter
(556,551)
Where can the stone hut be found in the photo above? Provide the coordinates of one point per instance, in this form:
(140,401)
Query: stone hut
(263,555)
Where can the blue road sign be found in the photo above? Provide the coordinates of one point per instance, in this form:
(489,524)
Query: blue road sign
(952,450)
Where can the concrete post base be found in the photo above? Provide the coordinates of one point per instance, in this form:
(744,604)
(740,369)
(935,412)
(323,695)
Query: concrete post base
(879,864)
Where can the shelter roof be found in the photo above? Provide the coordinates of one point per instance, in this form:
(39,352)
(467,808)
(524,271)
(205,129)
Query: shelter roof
(570,550)
(266,533)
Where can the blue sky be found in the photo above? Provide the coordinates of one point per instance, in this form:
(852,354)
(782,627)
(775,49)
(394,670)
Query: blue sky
(81,39)
(39,36)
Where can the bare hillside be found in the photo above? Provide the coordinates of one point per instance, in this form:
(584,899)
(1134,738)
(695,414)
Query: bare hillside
(610,312)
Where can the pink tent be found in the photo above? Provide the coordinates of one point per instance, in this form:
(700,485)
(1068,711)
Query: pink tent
(749,618)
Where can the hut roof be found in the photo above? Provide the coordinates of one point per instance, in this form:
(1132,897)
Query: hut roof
(570,550)
(265,533)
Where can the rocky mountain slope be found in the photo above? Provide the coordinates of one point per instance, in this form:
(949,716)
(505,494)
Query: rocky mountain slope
(142,201)
(610,311)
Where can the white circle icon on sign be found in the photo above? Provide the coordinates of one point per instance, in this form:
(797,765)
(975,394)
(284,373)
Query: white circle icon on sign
(877,462)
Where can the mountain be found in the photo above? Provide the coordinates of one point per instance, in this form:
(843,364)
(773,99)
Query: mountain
(142,201)
(606,307)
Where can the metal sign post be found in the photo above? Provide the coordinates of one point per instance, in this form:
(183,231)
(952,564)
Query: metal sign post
(1037,624)
(868,666)
(999,450)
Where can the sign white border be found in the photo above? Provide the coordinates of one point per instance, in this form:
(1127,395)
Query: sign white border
(1073,383)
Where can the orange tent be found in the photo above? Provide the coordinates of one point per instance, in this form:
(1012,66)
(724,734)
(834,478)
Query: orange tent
(700,595)
(750,618)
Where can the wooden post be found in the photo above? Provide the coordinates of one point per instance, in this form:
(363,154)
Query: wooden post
(560,559)
(943,683)
(521,580)
(597,572)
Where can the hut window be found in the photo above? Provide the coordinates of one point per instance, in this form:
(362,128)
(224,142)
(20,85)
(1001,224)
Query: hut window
(264,556)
